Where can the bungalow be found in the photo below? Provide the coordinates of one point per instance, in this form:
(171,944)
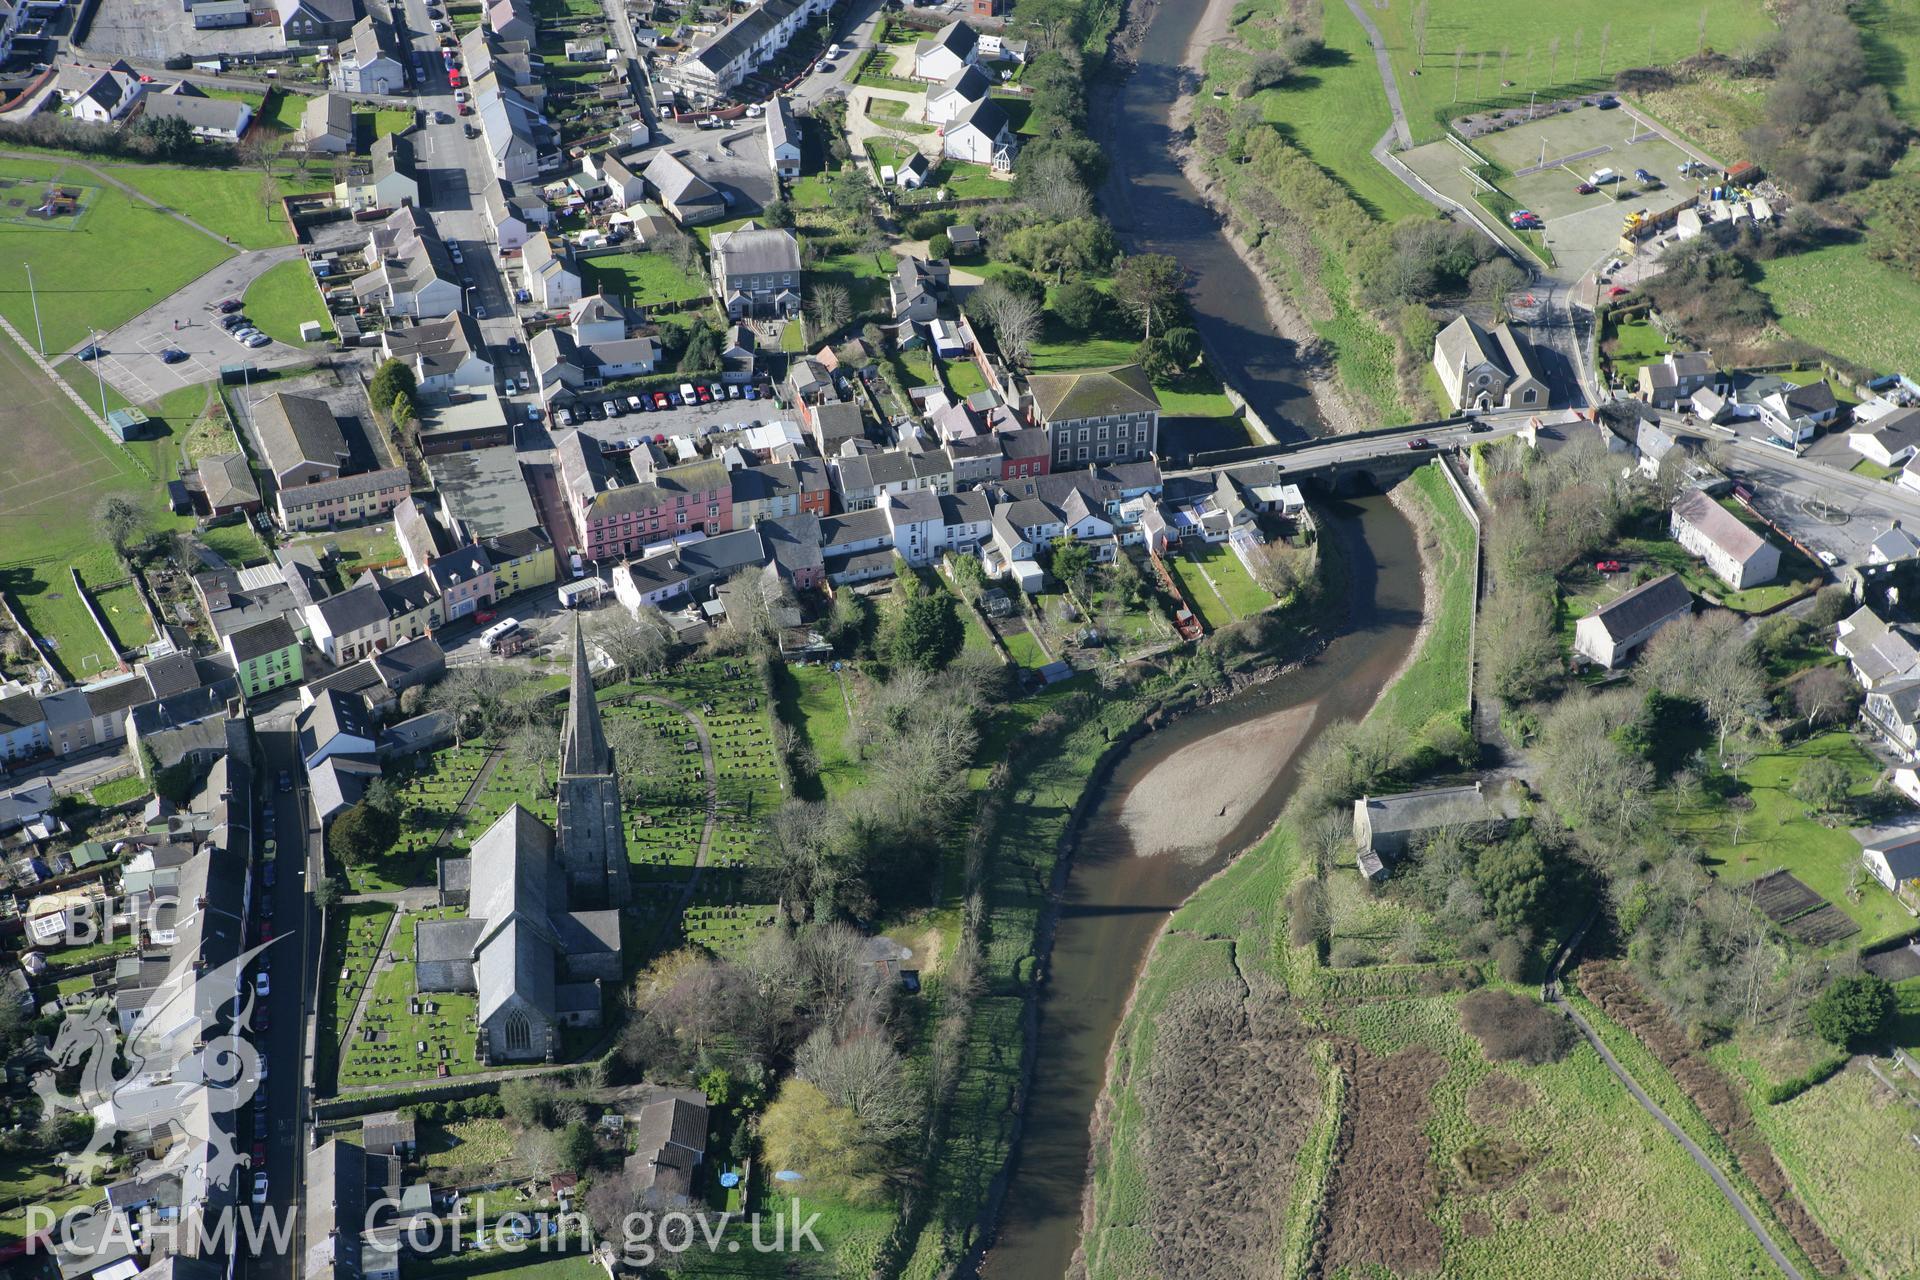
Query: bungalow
(1889,440)
(688,197)
(1893,859)
(326,126)
(1482,370)
(1613,633)
(226,481)
(213,119)
(1737,555)
(1878,652)
(943,54)
(1671,380)
(1385,827)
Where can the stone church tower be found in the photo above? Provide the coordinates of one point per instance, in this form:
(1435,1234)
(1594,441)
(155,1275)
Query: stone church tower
(589,836)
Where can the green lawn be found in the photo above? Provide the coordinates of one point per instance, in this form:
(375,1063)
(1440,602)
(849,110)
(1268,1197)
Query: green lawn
(120,608)
(1838,298)
(396,1056)
(644,279)
(1335,111)
(1798,576)
(1630,344)
(1199,593)
(1435,682)
(1235,586)
(235,543)
(1874,471)
(891,113)
(1781,832)
(74,291)
(288,111)
(227,202)
(120,791)
(61,467)
(1595,39)
(283,298)
(812,701)
(964,377)
(1024,649)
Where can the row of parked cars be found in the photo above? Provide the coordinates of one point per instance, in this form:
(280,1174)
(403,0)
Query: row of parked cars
(238,327)
(685,394)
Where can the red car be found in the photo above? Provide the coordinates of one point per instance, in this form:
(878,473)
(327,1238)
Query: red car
(1420,443)
(1616,291)
(484,616)
(660,400)
(259,1154)
(705,396)
(1608,566)
(466,108)
(1586,189)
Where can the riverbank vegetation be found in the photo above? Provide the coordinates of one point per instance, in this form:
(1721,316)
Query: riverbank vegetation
(1414,1129)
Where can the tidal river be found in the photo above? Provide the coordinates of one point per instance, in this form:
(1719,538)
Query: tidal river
(1188,797)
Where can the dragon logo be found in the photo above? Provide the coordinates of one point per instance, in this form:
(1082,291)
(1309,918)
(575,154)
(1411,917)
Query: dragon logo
(185,1063)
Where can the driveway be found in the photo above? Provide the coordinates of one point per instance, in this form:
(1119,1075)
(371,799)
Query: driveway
(188,320)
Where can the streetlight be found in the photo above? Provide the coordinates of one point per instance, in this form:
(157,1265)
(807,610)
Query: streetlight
(93,340)
(33,293)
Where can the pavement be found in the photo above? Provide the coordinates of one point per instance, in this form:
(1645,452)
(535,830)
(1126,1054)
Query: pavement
(188,320)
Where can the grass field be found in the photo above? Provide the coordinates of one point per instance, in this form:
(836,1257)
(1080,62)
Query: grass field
(644,279)
(1435,683)
(1838,298)
(395,1054)
(62,467)
(282,299)
(1543,48)
(227,202)
(1781,832)
(812,701)
(74,292)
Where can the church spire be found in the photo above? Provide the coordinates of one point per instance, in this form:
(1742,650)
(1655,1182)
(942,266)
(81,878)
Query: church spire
(583,749)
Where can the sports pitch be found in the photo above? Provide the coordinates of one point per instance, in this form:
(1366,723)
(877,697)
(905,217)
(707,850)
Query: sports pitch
(1548,159)
(60,466)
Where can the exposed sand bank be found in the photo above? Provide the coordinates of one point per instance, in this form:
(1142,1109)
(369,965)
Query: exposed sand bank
(1194,799)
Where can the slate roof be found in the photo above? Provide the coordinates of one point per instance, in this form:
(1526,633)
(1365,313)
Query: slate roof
(222,114)
(298,429)
(755,251)
(1881,650)
(227,480)
(328,115)
(1718,525)
(484,491)
(365,482)
(793,542)
(354,609)
(170,674)
(336,1183)
(1646,604)
(263,637)
(956,37)
(1092,393)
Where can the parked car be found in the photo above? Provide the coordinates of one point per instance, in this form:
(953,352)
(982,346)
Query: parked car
(733,391)
(565,416)
(466,109)
(259,1151)
(1616,291)
(268,848)
(660,400)
(510,387)
(1829,559)
(453,251)
(636,404)
(613,409)
(229,305)
(286,781)
(482,617)
(260,1187)
(1642,175)
(1607,566)
(753,393)
(1477,428)
(1586,189)
(91,352)
(599,412)
(261,984)
(705,396)
(479,311)
(259,340)
(172,355)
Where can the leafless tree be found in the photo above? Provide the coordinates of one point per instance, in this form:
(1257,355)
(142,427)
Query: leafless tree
(1820,693)
(679,248)
(1014,319)
(863,1073)
(1056,192)
(636,642)
(830,307)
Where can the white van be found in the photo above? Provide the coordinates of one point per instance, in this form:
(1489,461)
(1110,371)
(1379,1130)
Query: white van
(1601,177)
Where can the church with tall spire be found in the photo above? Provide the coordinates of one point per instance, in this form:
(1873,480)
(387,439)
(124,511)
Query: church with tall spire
(590,835)
(541,936)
